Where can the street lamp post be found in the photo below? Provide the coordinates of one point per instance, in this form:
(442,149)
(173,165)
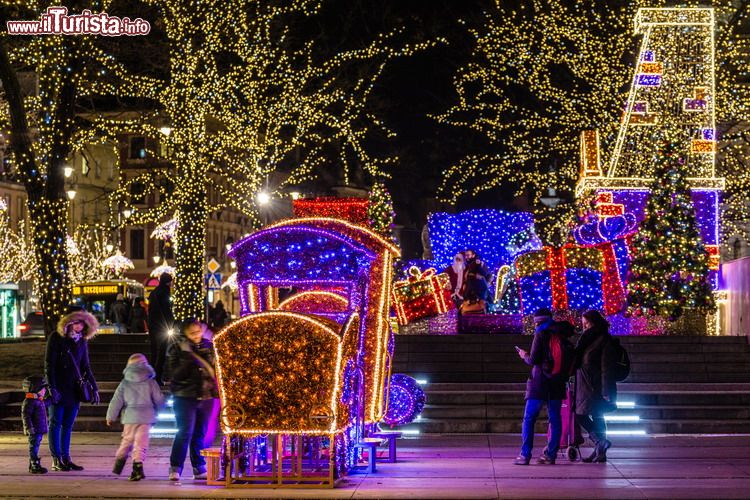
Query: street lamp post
(71,193)
(263,200)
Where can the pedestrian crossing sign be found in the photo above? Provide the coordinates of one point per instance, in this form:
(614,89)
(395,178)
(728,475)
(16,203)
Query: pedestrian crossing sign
(213,281)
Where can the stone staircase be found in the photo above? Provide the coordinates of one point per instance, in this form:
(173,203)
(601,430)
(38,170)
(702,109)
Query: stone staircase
(644,408)
(493,359)
(475,384)
(108,355)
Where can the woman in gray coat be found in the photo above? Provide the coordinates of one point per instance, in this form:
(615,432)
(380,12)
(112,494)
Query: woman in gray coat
(596,390)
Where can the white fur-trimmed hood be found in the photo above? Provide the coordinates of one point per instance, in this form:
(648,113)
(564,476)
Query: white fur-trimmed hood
(88,319)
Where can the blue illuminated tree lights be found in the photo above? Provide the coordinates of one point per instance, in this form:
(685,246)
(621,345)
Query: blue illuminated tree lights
(495,235)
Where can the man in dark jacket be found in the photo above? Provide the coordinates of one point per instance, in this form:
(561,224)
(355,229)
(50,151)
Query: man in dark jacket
(160,323)
(218,317)
(118,315)
(477,276)
(540,390)
(192,370)
(138,317)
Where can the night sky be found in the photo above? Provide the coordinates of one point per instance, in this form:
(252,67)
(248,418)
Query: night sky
(412,89)
(420,86)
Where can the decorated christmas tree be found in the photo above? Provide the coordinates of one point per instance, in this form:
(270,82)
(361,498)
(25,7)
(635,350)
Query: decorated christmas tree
(380,211)
(669,270)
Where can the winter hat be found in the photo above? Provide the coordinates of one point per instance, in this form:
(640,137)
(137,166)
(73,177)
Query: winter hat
(33,383)
(137,358)
(542,313)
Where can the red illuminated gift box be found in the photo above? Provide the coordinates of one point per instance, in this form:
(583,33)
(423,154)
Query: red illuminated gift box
(569,278)
(349,209)
(423,295)
(605,206)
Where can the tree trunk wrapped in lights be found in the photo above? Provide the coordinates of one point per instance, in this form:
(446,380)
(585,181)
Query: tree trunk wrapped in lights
(41,167)
(188,287)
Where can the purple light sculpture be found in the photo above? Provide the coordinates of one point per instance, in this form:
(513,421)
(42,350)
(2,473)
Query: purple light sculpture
(405,401)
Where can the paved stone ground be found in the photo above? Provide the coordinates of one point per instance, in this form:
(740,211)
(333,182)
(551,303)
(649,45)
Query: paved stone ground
(450,466)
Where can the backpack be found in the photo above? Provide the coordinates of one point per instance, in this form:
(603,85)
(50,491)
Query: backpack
(621,366)
(561,356)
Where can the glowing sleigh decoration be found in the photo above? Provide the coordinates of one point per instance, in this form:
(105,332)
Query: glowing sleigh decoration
(305,370)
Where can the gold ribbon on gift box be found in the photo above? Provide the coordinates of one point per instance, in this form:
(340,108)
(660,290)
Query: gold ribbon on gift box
(419,284)
(574,256)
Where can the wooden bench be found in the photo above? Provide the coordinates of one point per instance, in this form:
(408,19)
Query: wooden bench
(371,446)
(213,466)
(391,436)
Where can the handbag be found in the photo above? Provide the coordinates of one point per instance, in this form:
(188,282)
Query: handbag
(478,307)
(84,388)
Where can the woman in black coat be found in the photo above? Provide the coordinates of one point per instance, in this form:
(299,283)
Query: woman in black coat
(596,390)
(67,349)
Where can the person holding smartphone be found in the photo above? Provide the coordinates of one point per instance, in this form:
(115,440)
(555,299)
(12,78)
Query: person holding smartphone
(541,390)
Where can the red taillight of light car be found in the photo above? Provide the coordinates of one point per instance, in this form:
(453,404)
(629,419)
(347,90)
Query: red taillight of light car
(22,327)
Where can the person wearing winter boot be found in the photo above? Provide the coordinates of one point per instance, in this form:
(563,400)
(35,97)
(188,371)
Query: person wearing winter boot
(596,387)
(135,403)
(34,415)
(542,388)
(67,359)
